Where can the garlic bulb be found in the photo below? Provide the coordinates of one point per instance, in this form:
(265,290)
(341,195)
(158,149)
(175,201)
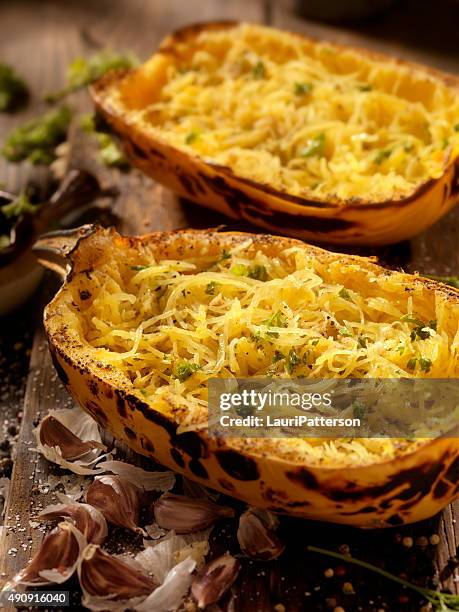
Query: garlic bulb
(117,499)
(256,538)
(87,519)
(186,514)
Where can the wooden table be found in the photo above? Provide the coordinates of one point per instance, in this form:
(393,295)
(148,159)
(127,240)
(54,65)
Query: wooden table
(40,39)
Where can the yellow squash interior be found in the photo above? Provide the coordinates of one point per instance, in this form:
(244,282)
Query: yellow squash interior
(309,119)
(168,320)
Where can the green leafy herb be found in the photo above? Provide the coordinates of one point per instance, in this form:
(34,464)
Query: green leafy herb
(191,137)
(185,369)
(344,293)
(292,361)
(83,71)
(278,356)
(444,142)
(4,241)
(425,364)
(302,89)
(139,268)
(109,152)
(210,288)
(315,146)
(365,87)
(224,255)
(276,320)
(456,127)
(37,139)
(400,349)
(382,155)
(21,205)
(315,342)
(258,273)
(443,602)
(411,363)
(448,280)
(362,342)
(13,90)
(343,331)
(259,71)
(421,329)
(358,410)
(239,270)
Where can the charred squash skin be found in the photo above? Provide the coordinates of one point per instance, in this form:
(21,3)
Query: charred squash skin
(219,188)
(411,487)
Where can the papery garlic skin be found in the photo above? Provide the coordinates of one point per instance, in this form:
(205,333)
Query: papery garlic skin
(186,515)
(87,519)
(56,559)
(214,580)
(117,499)
(256,539)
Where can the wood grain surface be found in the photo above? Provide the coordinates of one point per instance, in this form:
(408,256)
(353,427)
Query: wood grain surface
(40,39)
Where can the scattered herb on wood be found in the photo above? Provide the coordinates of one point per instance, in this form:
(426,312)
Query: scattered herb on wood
(14,92)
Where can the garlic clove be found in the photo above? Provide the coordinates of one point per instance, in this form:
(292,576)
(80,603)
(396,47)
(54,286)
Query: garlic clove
(186,515)
(54,433)
(214,580)
(117,499)
(256,539)
(105,576)
(87,519)
(56,559)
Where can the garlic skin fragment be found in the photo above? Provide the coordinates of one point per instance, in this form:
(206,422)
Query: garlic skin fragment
(117,499)
(256,539)
(169,596)
(186,515)
(70,438)
(56,559)
(109,583)
(87,519)
(142,479)
(214,580)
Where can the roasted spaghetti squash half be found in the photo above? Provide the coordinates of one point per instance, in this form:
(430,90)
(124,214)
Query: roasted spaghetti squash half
(310,139)
(141,324)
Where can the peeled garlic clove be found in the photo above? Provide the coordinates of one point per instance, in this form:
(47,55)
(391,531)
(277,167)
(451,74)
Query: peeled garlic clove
(87,519)
(105,576)
(256,539)
(185,514)
(117,499)
(54,433)
(214,580)
(56,559)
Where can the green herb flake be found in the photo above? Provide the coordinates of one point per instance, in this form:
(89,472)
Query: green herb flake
(109,152)
(448,280)
(315,146)
(36,140)
(20,206)
(456,127)
(292,361)
(343,331)
(4,241)
(13,90)
(365,87)
(358,410)
(259,71)
(362,342)
(444,143)
(382,156)
(421,329)
(224,255)
(278,356)
(344,293)
(411,363)
(138,268)
(83,71)
(210,288)
(239,270)
(276,320)
(315,342)
(185,369)
(425,364)
(258,272)
(191,137)
(301,89)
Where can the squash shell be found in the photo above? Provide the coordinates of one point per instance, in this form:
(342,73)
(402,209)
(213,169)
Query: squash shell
(408,488)
(217,187)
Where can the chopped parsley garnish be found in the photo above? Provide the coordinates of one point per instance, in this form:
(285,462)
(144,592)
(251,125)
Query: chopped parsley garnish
(36,140)
(292,361)
(448,280)
(421,329)
(278,356)
(191,137)
(411,363)
(224,255)
(343,331)
(315,342)
(425,364)
(109,153)
(444,142)
(13,90)
(259,71)
(139,268)
(276,320)
(258,273)
(456,127)
(21,205)
(382,155)
(185,369)
(344,293)
(302,89)
(83,71)
(239,270)
(362,342)
(210,288)
(365,87)
(358,410)
(315,146)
